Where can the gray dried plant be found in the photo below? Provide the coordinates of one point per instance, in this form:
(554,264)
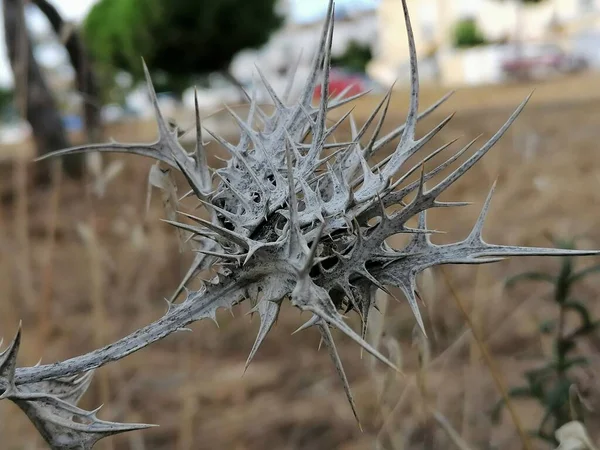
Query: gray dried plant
(293,215)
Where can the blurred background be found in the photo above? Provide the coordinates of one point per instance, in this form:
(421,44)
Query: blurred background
(84,258)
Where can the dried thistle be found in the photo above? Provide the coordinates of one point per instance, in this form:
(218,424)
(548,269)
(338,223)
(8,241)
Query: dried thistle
(291,217)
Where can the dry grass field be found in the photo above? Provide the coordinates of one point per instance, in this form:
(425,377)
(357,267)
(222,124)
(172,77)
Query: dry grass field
(81,271)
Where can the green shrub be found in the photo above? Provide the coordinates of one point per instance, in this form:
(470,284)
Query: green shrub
(550,384)
(467,34)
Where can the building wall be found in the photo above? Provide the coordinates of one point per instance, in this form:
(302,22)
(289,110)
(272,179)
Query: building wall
(294,41)
(433,21)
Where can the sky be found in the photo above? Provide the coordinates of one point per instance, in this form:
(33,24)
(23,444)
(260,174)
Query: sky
(75,10)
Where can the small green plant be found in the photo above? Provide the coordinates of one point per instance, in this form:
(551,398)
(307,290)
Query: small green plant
(550,384)
(355,58)
(467,34)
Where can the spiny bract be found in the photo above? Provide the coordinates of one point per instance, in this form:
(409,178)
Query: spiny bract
(293,215)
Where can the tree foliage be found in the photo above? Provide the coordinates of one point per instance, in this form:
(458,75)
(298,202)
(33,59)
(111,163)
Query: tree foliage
(178,39)
(355,58)
(467,34)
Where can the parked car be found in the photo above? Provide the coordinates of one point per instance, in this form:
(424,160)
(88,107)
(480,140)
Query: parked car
(340,80)
(536,60)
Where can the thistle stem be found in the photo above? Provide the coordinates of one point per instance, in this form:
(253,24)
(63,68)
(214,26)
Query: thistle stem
(191,310)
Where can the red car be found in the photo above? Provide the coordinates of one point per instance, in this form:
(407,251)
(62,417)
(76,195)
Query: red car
(338,81)
(541,60)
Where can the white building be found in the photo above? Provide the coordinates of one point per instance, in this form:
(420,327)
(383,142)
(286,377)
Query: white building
(296,42)
(574,24)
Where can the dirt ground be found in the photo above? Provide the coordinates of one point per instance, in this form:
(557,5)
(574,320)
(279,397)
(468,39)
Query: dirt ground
(82,271)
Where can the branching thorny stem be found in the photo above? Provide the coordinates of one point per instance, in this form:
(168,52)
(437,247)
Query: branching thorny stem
(178,318)
(293,216)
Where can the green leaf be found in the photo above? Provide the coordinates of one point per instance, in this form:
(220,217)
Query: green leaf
(530,276)
(578,361)
(558,396)
(540,373)
(584,330)
(563,347)
(584,272)
(496,410)
(547,326)
(563,283)
(537,389)
(567,244)
(580,309)
(520,392)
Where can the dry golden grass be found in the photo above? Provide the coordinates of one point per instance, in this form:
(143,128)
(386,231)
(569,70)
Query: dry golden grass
(94,291)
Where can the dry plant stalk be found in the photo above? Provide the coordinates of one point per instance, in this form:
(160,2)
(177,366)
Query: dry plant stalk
(489,360)
(45,296)
(291,217)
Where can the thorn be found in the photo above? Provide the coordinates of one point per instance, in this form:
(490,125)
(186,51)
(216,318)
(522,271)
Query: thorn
(310,323)
(268,311)
(475,234)
(313,250)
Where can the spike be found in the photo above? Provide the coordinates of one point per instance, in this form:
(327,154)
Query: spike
(314,320)
(348,100)
(292,77)
(195,268)
(212,207)
(163,128)
(428,158)
(407,284)
(321,116)
(338,323)
(8,365)
(408,134)
(313,250)
(237,258)
(201,160)
(147,150)
(309,297)
(296,239)
(327,339)
(369,150)
(405,150)
(268,312)
(397,196)
(276,100)
(480,153)
(309,87)
(475,235)
(384,141)
(228,234)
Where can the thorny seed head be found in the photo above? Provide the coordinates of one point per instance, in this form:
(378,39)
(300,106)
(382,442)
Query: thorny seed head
(293,215)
